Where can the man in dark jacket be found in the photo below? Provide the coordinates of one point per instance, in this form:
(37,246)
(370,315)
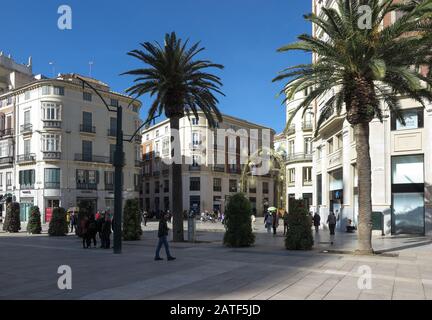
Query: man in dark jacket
(106,232)
(316,221)
(163,234)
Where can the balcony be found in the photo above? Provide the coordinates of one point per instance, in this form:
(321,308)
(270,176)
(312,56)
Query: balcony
(6,132)
(28,157)
(219,168)
(52,124)
(291,130)
(109,186)
(307,126)
(335,158)
(91,158)
(26,128)
(299,157)
(6,160)
(194,168)
(138,138)
(51,155)
(26,186)
(86,186)
(112,132)
(52,185)
(138,163)
(87,129)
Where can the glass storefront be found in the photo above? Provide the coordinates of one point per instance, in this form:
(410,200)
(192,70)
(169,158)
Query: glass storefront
(408,195)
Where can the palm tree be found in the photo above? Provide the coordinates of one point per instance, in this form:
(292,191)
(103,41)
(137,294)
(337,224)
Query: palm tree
(180,86)
(370,69)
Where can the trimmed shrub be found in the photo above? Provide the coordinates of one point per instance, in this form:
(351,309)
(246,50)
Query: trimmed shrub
(58,226)
(12,221)
(299,235)
(131,220)
(238,222)
(34,224)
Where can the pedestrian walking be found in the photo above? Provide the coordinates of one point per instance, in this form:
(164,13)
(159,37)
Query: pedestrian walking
(275,224)
(331,220)
(73,222)
(84,223)
(253,219)
(316,221)
(106,232)
(92,231)
(100,217)
(268,221)
(285,221)
(163,235)
(145,217)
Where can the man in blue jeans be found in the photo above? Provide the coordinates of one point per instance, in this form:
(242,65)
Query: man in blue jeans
(163,234)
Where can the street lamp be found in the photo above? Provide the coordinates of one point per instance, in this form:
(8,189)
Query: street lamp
(118,164)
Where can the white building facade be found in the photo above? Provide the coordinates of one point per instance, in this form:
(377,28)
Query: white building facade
(57,142)
(207,183)
(401,165)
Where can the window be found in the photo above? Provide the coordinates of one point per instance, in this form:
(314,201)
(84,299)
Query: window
(87,150)
(252,186)
(51,111)
(233,186)
(291,175)
(196,161)
(307,175)
(166,130)
(319,189)
(109,180)
(319,152)
(87,96)
(46,90)
(59,91)
(147,152)
(27,146)
(113,126)
(195,184)
(27,95)
(165,147)
(291,147)
(330,145)
(147,137)
(407,169)
(157,133)
(1,181)
(87,121)
(27,179)
(195,139)
(265,186)
(308,145)
(413,119)
(156,149)
(52,178)
(87,179)
(27,117)
(217,184)
(6,149)
(114,102)
(8,180)
(111,152)
(166,186)
(156,186)
(339,140)
(51,142)
(195,121)
(147,188)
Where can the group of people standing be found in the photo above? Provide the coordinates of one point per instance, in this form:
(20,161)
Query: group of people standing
(93,225)
(271,220)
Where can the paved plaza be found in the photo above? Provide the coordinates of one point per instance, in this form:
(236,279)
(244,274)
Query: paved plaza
(207,270)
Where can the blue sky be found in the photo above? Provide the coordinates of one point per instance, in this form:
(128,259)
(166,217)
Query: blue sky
(243,35)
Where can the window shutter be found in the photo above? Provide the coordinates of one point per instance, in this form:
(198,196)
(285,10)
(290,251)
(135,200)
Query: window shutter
(20,177)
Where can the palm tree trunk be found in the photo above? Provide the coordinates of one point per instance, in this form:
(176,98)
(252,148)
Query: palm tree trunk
(177,187)
(364,188)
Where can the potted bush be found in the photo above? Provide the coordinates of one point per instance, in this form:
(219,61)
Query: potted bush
(132,220)
(12,221)
(34,224)
(299,234)
(238,222)
(58,225)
